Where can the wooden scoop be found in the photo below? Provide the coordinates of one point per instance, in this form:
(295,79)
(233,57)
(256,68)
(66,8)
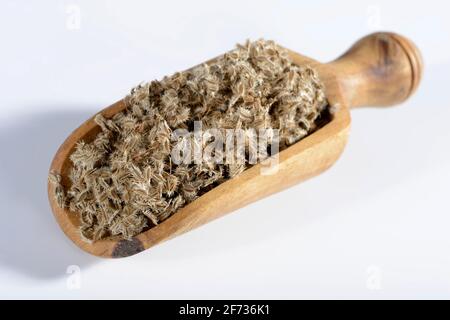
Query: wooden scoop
(381,69)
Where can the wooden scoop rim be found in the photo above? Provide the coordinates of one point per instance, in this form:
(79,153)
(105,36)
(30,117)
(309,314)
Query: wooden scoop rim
(180,221)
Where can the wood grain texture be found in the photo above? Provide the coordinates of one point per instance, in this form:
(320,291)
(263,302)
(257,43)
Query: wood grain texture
(380,69)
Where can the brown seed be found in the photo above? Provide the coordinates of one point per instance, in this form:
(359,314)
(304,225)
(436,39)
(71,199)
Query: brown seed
(125,180)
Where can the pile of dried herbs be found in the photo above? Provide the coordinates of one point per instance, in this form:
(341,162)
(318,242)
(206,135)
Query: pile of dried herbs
(124,181)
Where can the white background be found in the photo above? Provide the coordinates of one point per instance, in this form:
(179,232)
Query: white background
(376,225)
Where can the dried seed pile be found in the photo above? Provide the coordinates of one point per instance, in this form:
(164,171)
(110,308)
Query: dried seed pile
(124,181)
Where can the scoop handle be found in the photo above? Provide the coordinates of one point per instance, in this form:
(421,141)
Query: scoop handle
(381,69)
